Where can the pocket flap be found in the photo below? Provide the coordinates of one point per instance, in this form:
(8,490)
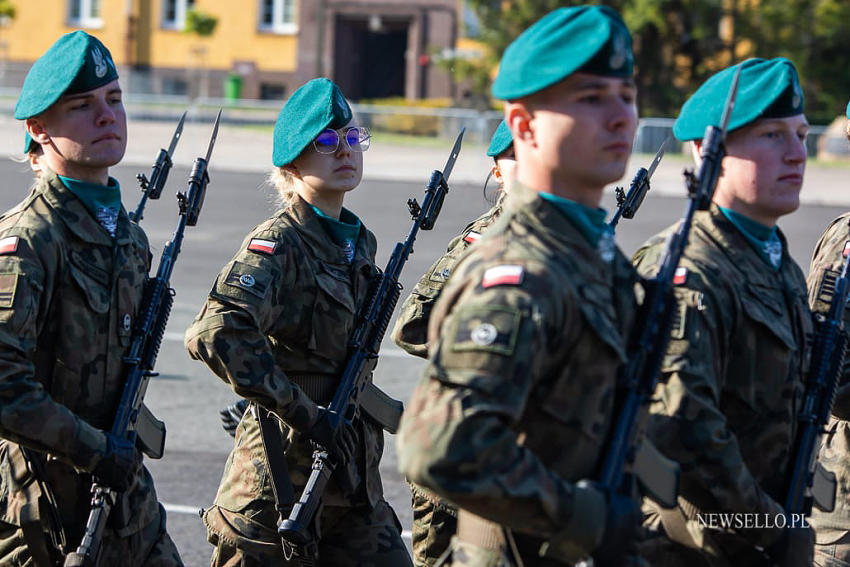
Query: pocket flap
(97,293)
(598,311)
(762,305)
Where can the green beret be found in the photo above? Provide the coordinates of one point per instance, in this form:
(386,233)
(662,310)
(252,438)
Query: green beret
(76,63)
(501,140)
(590,39)
(848,110)
(316,105)
(767,89)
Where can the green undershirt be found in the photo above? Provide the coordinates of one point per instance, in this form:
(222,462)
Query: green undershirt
(589,221)
(764,239)
(343,231)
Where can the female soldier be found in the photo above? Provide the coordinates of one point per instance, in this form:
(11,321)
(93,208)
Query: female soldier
(434,519)
(276,326)
(832,547)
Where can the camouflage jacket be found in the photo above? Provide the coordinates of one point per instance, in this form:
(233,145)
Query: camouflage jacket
(517,399)
(835,451)
(732,378)
(69,294)
(276,327)
(411,327)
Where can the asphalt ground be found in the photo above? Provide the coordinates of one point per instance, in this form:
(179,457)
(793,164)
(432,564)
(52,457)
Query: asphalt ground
(188,397)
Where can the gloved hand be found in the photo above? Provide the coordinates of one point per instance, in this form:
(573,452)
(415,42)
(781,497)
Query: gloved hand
(622,526)
(232,415)
(117,468)
(795,547)
(335,434)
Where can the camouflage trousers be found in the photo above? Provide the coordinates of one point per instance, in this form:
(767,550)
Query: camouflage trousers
(351,537)
(150,547)
(834,554)
(434,524)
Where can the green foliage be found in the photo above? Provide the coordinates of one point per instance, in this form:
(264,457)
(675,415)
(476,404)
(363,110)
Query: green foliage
(680,43)
(199,23)
(7,10)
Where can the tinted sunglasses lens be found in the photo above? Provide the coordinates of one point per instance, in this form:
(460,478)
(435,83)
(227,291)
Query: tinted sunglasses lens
(358,139)
(326,142)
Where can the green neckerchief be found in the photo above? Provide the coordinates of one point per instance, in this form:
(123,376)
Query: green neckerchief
(763,238)
(344,231)
(104,201)
(589,221)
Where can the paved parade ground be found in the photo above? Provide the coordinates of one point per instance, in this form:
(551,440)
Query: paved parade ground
(187,396)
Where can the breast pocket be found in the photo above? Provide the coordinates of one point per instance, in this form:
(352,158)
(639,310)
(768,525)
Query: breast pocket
(334,312)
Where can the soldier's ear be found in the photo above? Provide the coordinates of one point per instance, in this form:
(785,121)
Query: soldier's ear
(520,121)
(37,130)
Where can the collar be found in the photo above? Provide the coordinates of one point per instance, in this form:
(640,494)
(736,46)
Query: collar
(77,216)
(316,236)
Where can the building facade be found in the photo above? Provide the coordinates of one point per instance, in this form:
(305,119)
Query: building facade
(260,49)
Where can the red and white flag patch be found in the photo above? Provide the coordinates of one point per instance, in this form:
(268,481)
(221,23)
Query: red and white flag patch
(503,275)
(471,237)
(679,276)
(262,246)
(846,249)
(8,245)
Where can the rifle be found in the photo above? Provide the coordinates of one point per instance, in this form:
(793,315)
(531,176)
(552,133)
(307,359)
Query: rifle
(144,348)
(152,188)
(296,532)
(808,482)
(628,454)
(628,204)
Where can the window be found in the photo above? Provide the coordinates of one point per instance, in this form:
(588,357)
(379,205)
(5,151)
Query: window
(84,13)
(278,16)
(174,13)
(270,91)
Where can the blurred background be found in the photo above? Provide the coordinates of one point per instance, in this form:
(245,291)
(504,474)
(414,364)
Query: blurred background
(418,68)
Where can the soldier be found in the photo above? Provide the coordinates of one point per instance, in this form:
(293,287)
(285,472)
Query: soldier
(832,547)
(527,336)
(725,407)
(434,519)
(276,327)
(73,269)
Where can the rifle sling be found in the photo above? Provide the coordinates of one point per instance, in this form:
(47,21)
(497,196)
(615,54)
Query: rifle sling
(270,434)
(376,403)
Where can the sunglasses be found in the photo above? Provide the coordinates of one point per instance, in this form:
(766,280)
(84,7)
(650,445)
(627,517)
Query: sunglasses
(357,138)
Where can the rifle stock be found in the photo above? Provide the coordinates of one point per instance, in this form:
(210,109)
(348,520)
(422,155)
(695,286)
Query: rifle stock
(140,360)
(296,532)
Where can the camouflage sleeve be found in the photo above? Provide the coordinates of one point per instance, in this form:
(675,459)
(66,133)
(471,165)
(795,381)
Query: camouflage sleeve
(231,333)
(456,436)
(686,421)
(411,328)
(827,261)
(28,415)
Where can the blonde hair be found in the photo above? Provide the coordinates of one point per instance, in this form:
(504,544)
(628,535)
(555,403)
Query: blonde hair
(283,181)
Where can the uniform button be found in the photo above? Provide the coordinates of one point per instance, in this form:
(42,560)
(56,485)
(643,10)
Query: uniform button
(127,321)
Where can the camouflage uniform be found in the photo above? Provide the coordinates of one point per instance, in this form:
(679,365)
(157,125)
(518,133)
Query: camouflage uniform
(516,402)
(731,384)
(276,327)
(434,519)
(69,293)
(833,529)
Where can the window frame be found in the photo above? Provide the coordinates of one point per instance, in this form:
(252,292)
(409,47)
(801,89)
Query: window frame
(181,7)
(277,26)
(85,20)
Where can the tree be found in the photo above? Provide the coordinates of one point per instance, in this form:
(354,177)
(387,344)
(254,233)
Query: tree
(201,25)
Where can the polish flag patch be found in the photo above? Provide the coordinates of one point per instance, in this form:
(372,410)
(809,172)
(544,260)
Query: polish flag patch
(471,237)
(502,275)
(846,249)
(8,245)
(680,275)
(262,246)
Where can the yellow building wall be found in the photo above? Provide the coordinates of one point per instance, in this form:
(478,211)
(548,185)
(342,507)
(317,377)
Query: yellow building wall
(236,38)
(38,24)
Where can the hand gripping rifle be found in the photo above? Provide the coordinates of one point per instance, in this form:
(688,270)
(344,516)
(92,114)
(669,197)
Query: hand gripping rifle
(628,453)
(144,348)
(152,188)
(629,203)
(297,532)
(808,482)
